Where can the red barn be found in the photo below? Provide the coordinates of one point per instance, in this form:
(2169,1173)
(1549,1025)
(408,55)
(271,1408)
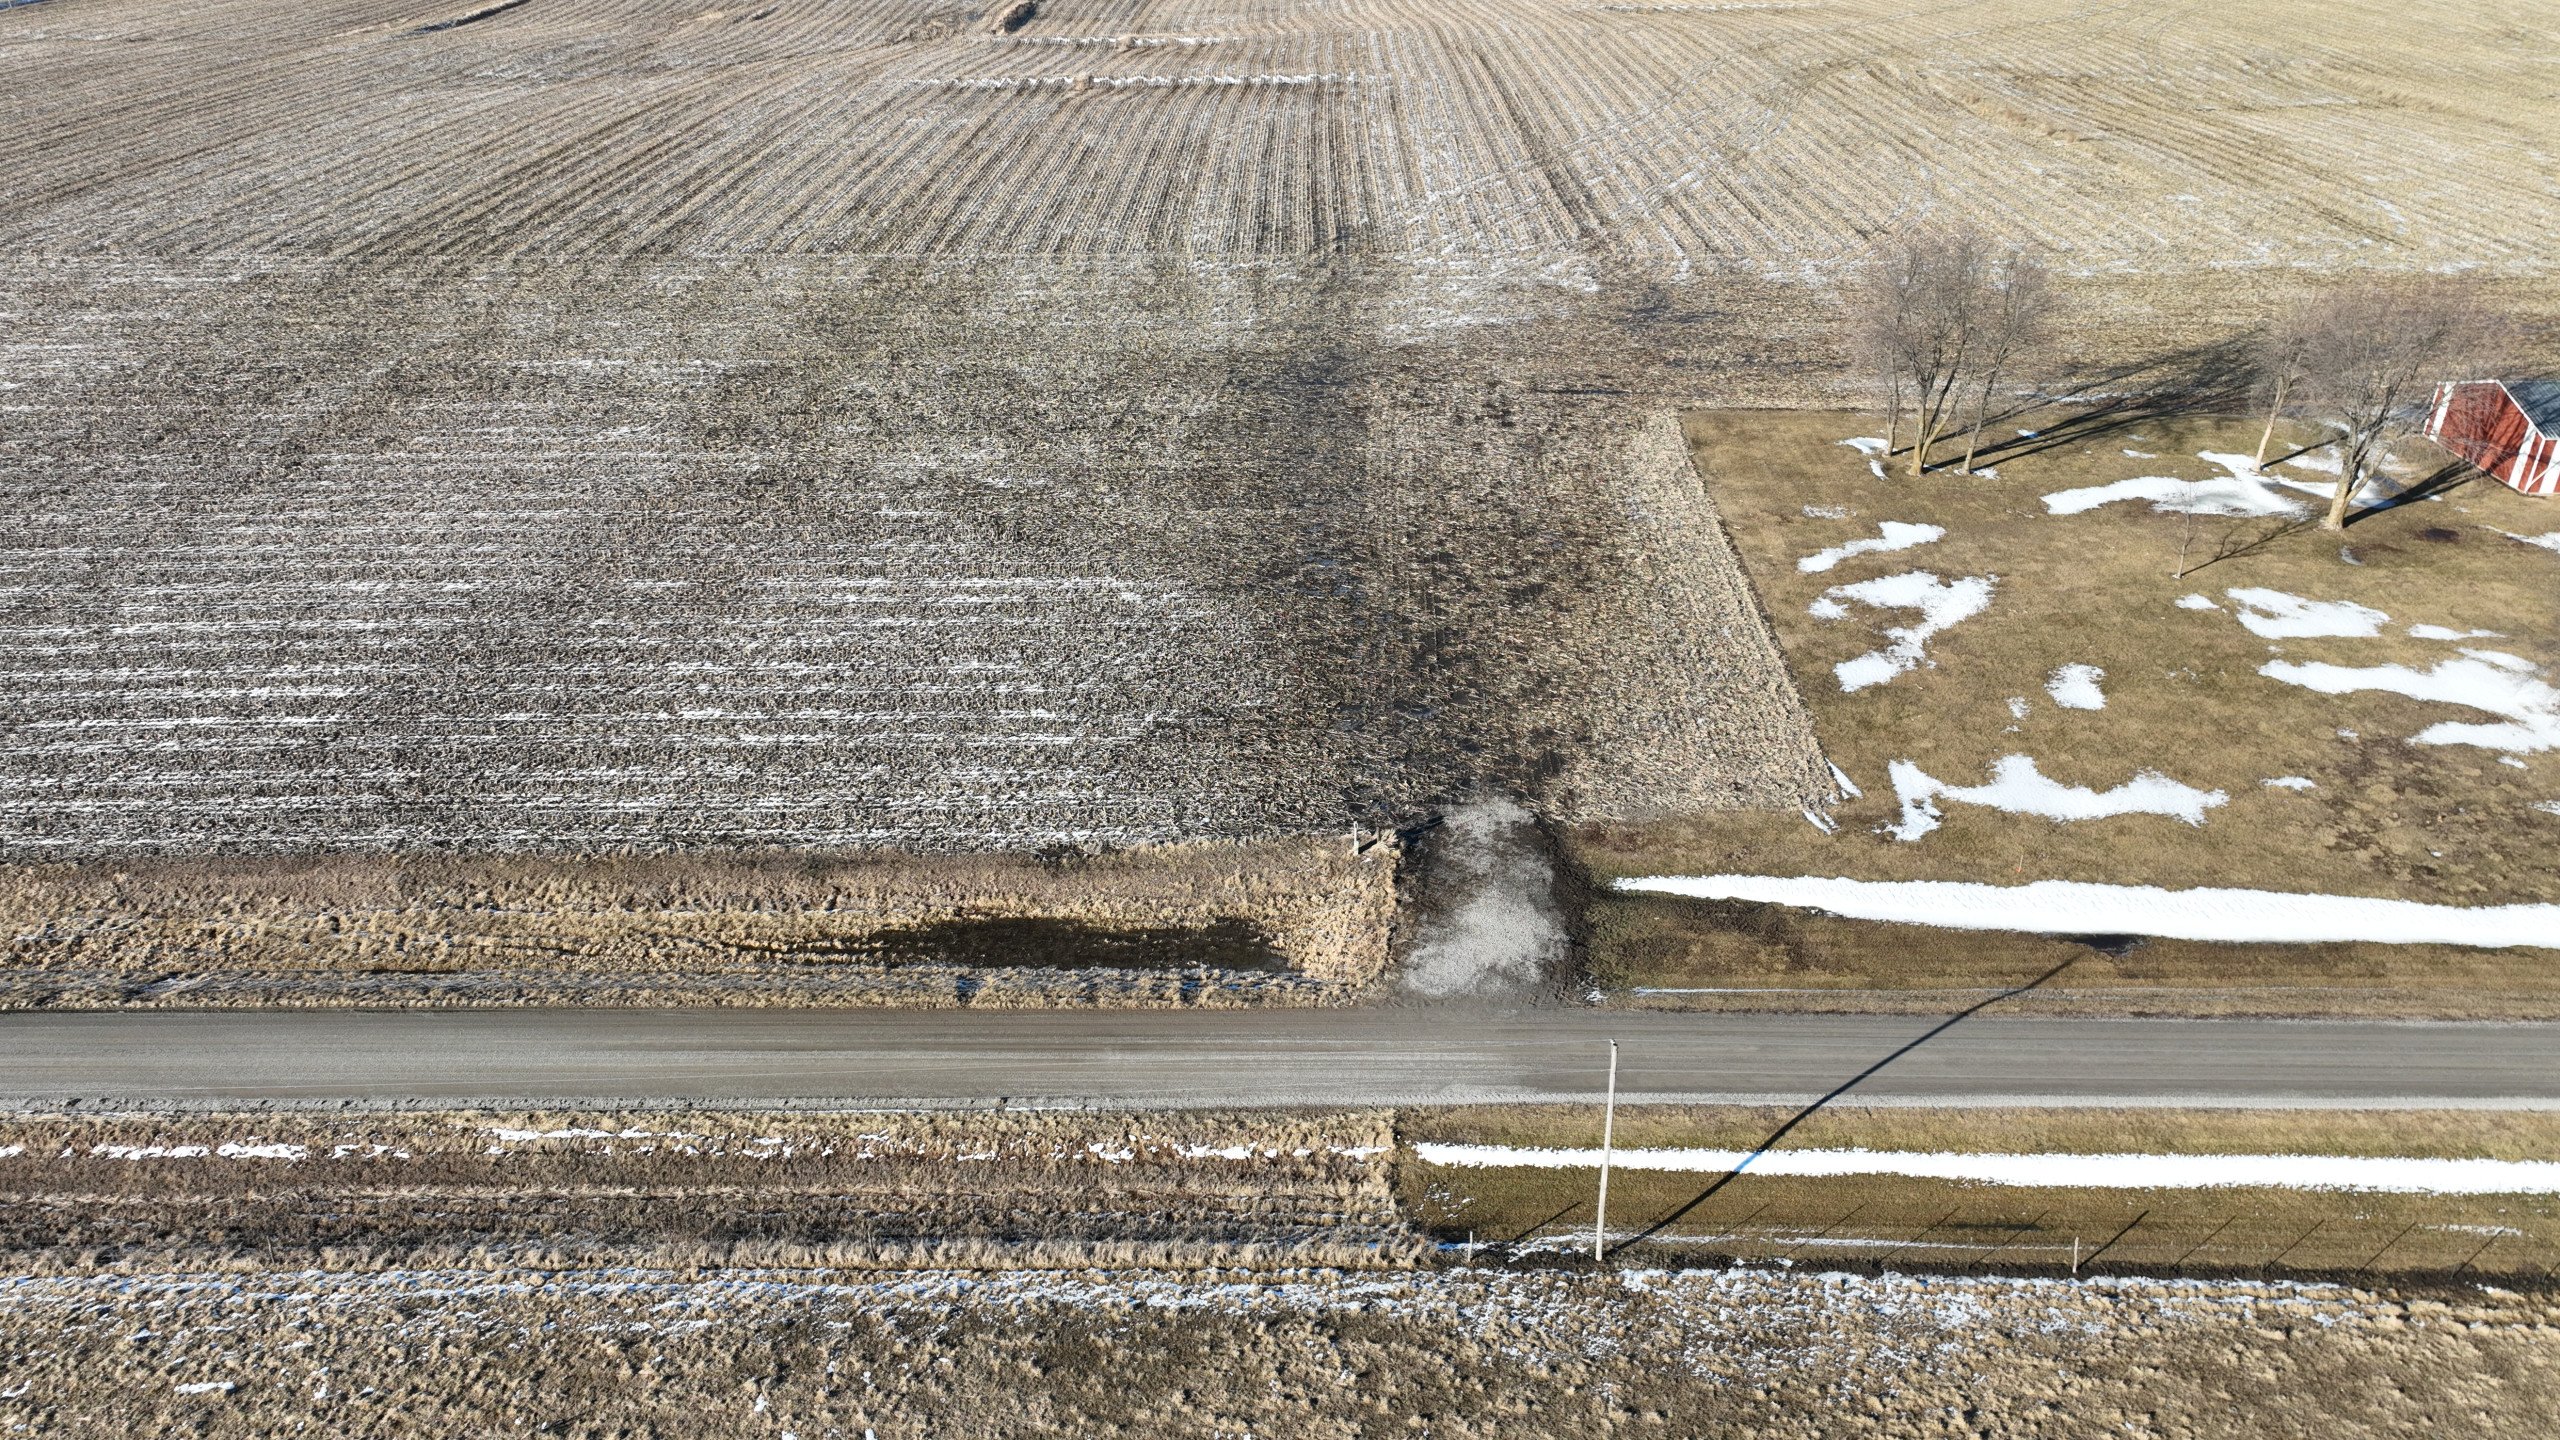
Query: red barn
(2509,428)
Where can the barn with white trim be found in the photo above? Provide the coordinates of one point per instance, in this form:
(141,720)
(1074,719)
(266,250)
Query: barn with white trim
(2509,428)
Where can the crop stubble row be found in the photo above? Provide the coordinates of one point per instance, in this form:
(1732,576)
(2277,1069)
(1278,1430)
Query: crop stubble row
(2181,137)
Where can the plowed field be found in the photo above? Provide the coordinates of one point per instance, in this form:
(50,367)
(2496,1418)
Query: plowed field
(560,426)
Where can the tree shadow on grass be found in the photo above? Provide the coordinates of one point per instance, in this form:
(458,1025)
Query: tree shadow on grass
(1843,1088)
(2195,379)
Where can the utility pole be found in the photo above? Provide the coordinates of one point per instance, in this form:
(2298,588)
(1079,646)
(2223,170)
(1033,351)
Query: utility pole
(1608,1130)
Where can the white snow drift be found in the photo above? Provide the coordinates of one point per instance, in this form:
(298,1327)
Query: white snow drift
(2399,1175)
(2244,490)
(2018,787)
(2487,680)
(2066,907)
(1941,603)
(2274,615)
(1891,535)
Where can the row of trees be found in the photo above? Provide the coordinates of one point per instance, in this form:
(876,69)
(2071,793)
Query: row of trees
(1942,319)
(1945,318)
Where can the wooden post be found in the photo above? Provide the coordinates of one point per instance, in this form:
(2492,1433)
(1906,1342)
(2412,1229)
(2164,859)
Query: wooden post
(1608,1131)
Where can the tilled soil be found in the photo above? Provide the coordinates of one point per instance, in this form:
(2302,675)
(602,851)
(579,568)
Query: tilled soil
(1448,1353)
(873,557)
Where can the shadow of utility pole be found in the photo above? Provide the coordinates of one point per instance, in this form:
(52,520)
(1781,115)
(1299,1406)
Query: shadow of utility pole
(1843,1088)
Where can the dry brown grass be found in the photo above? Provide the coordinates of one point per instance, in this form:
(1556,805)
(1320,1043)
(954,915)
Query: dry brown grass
(1888,1221)
(2443,823)
(697,929)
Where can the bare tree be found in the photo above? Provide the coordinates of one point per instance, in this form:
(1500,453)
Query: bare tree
(2370,354)
(1941,317)
(1947,319)
(2280,351)
(2017,304)
(1885,320)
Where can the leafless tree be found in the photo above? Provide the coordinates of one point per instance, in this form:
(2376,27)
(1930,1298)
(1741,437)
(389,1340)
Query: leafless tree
(2016,306)
(2371,354)
(1940,317)
(1886,306)
(2279,356)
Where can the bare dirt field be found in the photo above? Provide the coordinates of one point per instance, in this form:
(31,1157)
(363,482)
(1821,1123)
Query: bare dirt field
(2094,663)
(1294,1357)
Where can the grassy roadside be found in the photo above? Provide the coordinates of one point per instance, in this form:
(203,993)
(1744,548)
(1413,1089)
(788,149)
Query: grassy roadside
(1914,1223)
(2365,810)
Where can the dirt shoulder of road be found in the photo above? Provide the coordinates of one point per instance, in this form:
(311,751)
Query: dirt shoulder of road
(2291,788)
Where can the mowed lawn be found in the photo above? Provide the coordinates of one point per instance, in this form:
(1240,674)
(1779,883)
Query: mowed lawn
(2173,702)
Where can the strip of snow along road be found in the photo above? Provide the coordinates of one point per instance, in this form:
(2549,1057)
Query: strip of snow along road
(2069,907)
(1941,603)
(2492,681)
(2019,788)
(2387,1174)
(2274,615)
(1890,535)
(2075,687)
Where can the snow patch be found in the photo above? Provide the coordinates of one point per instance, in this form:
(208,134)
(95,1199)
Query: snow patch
(1873,447)
(2549,542)
(2019,788)
(2274,615)
(2075,687)
(2486,680)
(1941,603)
(209,1387)
(2439,632)
(1891,535)
(2066,907)
(2245,490)
(1826,512)
(228,1150)
(2387,1174)
(2290,782)
(1847,786)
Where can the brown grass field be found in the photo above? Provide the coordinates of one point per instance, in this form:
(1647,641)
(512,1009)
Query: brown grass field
(1911,1223)
(1303,921)
(2382,815)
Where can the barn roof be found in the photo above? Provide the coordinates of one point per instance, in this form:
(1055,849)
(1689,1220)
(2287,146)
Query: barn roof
(2540,402)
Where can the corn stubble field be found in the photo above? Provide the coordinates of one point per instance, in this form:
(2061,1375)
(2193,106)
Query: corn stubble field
(872,471)
(559,428)
(1017,1273)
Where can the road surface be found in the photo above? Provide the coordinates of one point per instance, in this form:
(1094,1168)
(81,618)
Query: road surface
(1235,1058)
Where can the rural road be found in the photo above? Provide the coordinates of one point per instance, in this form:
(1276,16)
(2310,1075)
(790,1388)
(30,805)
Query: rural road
(1230,1058)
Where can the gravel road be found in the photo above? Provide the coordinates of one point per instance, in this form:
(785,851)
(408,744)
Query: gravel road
(1185,1058)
